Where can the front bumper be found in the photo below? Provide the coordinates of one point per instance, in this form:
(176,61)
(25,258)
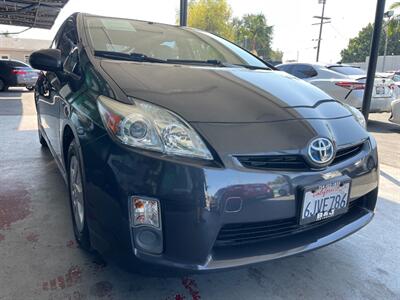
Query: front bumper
(378,104)
(26,81)
(194,203)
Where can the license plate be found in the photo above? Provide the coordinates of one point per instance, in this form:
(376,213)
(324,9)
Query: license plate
(325,201)
(380,90)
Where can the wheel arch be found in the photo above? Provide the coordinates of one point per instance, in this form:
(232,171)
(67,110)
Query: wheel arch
(69,134)
(67,137)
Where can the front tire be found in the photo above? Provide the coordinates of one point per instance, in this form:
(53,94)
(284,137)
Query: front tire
(77,198)
(42,141)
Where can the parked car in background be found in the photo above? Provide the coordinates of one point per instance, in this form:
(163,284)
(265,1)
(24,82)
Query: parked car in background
(169,137)
(345,83)
(395,117)
(395,77)
(17,73)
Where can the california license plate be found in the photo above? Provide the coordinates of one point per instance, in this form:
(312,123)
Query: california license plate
(325,201)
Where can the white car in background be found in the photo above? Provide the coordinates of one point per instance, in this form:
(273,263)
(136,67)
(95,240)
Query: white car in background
(395,117)
(344,83)
(395,77)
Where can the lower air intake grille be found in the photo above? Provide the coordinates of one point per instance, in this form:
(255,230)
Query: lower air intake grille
(236,234)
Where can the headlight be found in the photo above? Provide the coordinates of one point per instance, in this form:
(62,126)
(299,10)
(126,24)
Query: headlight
(357,115)
(147,126)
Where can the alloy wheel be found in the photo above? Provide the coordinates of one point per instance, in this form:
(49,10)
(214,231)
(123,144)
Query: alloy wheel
(76,191)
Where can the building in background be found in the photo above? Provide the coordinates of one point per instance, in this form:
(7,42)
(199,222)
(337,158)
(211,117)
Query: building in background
(392,63)
(20,49)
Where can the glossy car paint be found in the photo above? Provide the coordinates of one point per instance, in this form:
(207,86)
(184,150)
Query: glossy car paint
(257,112)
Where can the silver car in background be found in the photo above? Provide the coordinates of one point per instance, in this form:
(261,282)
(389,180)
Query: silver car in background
(344,83)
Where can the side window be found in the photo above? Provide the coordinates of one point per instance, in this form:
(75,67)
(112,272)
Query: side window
(285,68)
(68,40)
(71,63)
(67,44)
(303,71)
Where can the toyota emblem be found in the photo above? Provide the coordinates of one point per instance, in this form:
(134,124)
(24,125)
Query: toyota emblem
(321,151)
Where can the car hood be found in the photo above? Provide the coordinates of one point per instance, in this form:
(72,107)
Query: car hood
(223,95)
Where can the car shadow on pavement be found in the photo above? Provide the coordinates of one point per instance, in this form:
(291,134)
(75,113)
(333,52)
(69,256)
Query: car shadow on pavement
(382,127)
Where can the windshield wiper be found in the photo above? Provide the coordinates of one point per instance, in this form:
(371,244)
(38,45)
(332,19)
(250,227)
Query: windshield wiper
(128,56)
(219,63)
(212,62)
(144,58)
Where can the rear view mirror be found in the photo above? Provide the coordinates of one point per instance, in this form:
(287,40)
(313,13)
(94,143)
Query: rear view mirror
(46,60)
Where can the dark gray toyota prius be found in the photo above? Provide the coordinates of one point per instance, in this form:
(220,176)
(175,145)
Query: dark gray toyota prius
(185,153)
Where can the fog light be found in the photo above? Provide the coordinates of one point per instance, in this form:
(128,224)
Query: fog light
(145,212)
(149,239)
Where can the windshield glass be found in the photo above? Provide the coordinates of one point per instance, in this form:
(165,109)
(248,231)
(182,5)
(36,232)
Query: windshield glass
(163,41)
(348,70)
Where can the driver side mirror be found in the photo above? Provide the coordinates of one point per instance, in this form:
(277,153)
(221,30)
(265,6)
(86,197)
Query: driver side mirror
(46,60)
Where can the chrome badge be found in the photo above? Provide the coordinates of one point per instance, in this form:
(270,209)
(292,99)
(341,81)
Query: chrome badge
(321,151)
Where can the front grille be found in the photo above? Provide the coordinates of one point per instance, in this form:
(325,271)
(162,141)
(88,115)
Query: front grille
(237,234)
(273,162)
(346,153)
(292,162)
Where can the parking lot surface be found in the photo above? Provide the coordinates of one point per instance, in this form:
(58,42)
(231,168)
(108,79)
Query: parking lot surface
(39,258)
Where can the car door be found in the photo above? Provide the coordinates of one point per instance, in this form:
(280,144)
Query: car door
(51,99)
(48,108)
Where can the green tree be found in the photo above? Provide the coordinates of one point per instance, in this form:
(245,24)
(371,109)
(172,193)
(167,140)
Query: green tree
(276,55)
(211,15)
(359,47)
(394,24)
(395,5)
(253,33)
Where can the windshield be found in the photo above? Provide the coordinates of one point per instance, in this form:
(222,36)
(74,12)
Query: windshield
(348,70)
(163,42)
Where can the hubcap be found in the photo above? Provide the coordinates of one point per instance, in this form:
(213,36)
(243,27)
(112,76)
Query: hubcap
(76,193)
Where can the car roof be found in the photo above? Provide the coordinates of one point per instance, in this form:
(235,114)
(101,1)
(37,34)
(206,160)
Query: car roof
(134,20)
(13,60)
